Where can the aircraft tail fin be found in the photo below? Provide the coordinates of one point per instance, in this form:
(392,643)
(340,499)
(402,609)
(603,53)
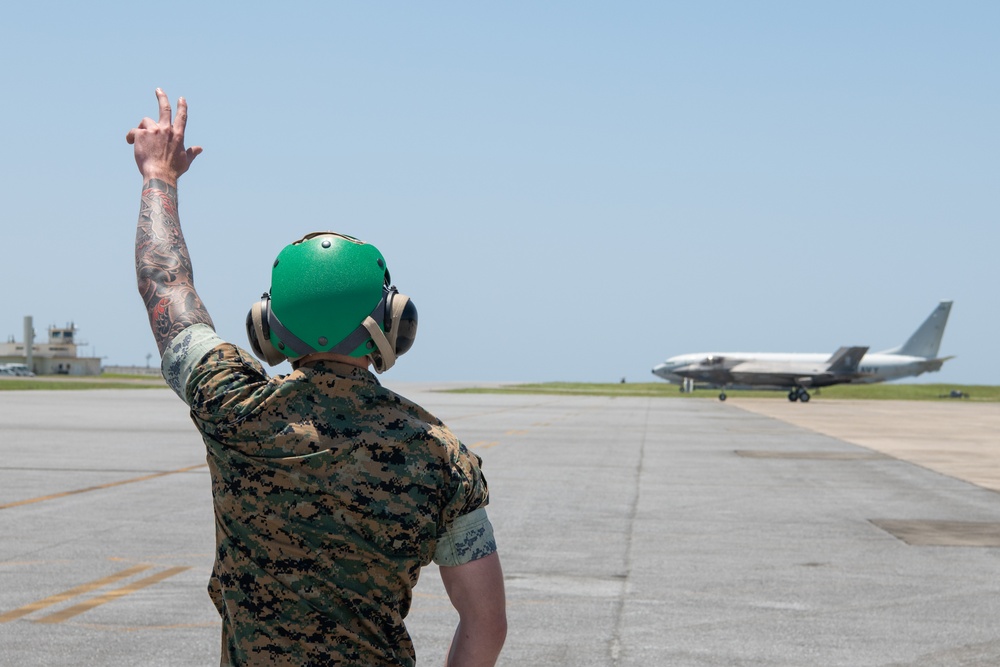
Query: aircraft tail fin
(926,340)
(846,359)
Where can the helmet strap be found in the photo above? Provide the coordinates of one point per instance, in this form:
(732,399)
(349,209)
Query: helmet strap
(386,355)
(298,346)
(367,329)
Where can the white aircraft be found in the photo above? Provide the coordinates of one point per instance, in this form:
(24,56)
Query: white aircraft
(799,371)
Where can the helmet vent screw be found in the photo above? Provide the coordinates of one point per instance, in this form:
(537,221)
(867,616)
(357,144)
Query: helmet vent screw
(326,244)
(281,346)
(322,341)
(275,263)
(370,344)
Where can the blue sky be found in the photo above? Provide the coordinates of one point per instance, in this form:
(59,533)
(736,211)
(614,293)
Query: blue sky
(567,190)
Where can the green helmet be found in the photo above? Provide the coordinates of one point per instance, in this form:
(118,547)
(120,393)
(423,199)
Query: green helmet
(323,287)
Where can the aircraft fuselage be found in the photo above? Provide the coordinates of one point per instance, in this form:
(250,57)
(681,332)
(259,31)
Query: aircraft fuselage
(874,367)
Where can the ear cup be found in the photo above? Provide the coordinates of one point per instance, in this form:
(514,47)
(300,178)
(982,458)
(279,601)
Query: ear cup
(259,333)
(395,336)
(400,321)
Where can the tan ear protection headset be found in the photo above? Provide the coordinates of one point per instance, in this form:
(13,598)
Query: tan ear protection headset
(396,311)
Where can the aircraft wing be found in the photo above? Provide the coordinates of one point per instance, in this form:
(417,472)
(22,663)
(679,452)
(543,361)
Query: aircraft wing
(774,375)
(841,367)
(846,359)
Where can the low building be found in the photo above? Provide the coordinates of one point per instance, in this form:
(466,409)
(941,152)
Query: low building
(57,357)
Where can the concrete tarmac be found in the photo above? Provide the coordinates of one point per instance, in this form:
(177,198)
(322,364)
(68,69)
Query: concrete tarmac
(632,531)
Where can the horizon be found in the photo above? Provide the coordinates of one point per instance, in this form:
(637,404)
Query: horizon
(569,190)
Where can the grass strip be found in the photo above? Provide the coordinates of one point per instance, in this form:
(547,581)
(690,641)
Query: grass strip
(79,384)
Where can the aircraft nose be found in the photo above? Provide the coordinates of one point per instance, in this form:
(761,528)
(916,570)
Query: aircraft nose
(665,371)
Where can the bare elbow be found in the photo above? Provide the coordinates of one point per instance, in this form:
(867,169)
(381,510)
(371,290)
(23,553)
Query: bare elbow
(477,592)
(497,621)
(500,632)
(478,640)
(490,629)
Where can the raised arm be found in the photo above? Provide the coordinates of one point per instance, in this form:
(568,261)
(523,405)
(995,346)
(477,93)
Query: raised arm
(476,591)
(162,263)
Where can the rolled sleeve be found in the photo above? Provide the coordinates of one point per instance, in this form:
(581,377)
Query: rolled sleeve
(468,538)
(184,352)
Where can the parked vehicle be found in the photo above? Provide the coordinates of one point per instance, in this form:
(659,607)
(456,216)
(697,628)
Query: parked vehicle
(16,369)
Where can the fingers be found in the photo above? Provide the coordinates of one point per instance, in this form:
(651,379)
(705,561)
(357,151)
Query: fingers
(180,121)
(164,101)
(144,124)
(193,152)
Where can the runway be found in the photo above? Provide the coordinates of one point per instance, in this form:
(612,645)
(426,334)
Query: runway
(632,531)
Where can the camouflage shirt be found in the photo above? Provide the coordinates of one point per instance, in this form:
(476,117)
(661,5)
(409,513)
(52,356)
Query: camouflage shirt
(330,493)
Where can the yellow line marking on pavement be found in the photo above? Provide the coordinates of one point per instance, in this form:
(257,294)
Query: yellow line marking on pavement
(71,593)
(87,605)
(100,486)
(122,559)
(141,628)
(483,444)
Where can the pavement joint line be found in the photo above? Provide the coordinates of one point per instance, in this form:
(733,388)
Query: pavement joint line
(616,640)
(99,487)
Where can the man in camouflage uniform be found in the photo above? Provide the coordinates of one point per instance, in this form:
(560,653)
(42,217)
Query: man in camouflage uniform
(330,491)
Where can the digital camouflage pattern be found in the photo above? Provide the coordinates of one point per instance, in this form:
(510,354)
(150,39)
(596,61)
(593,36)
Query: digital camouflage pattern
(331,492)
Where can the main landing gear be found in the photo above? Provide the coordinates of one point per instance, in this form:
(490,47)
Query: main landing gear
(722,396)
(798,394)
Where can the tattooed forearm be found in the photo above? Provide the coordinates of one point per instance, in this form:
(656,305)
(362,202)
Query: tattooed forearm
(163,266)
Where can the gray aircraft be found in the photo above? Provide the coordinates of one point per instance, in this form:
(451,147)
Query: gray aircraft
(801,371)
(796,375)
